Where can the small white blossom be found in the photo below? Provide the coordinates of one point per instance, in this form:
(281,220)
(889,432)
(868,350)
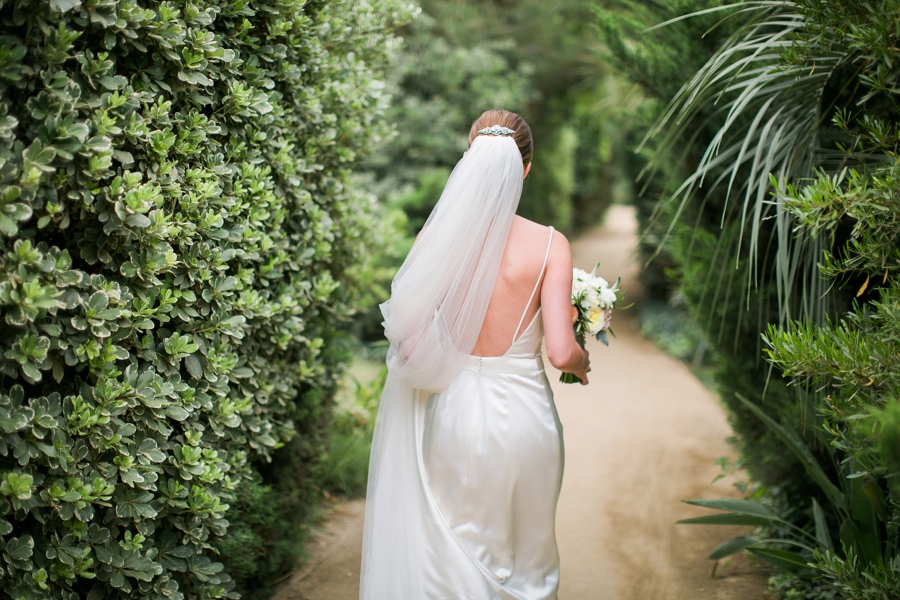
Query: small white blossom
(607,298)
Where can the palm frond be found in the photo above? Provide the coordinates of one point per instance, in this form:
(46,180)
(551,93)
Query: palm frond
(771,115)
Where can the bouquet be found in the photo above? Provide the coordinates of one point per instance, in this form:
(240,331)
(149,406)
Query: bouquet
(593,301)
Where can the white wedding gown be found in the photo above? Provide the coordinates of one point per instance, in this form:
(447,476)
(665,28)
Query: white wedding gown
(478,522)
(493,455)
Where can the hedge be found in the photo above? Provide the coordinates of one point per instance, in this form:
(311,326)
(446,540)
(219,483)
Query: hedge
(178,241)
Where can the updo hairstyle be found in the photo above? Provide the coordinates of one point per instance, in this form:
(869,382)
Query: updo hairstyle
(504,118)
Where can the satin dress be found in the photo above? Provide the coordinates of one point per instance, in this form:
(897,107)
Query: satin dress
(492,452)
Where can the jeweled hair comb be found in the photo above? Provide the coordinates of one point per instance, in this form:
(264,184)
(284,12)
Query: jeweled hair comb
(496,130)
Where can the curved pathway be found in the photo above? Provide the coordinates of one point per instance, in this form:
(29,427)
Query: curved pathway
(639,439)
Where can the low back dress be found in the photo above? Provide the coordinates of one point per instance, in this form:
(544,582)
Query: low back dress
(492,458)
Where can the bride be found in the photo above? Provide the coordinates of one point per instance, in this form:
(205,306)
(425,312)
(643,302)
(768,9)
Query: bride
(467,456)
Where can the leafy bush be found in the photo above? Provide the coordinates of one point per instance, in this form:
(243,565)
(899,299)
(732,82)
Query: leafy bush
(654,64)
(265,536)
(461,58)
(840,538)
(685,247)
(178,240)
(854,358)
(344,468)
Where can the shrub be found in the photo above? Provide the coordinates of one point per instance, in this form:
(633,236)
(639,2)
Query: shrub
(178,240)
(344,468)
(839,537)
(655,63)
(854,359)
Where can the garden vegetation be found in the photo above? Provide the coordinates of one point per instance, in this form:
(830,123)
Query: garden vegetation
(179,241)
(776,175)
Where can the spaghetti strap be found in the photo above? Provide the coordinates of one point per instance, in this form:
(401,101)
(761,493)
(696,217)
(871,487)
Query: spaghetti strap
(536,285)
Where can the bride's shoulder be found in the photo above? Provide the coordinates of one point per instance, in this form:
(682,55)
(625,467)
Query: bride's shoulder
(534,231)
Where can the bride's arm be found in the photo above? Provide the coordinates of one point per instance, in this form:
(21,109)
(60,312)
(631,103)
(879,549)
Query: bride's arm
(563,351)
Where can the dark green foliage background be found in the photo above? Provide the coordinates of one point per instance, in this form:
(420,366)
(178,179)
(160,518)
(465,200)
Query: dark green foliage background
(178,242)
(830,381)
(531,57)
(691,258)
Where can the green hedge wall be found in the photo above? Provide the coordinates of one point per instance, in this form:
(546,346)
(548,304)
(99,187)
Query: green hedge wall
(695,259)
(178,240)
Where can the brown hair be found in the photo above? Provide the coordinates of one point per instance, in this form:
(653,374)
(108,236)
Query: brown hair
(504,118)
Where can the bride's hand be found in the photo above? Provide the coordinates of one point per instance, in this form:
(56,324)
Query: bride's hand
(586,367)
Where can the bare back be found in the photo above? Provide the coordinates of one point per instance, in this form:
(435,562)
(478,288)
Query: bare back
(520,271)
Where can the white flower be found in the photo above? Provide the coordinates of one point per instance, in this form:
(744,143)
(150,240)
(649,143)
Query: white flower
(580,281)
(595,296)
(591,299)
(607,298)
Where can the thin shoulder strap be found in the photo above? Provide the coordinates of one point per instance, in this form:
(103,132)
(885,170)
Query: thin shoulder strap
(536,285)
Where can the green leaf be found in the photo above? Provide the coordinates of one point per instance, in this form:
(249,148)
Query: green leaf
(20,548)
(98,143)
(40,578)
(796,445)
(18,419)
(10,193)
(177,413)
(31,373)
(17,485)
(729,519)
(18,212)
(822,534)
(194,77)
(732,546)
(783,559)
(98,301)
(64,6)
(8,226)
(46,449)
(193,366)
(150,449)
(736,505)
(137,220)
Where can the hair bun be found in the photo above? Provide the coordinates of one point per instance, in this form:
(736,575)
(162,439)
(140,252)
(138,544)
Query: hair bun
(498,122)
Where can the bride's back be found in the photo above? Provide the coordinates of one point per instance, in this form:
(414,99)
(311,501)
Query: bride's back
(520,270)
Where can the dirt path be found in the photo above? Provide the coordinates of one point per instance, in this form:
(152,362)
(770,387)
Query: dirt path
(639,439)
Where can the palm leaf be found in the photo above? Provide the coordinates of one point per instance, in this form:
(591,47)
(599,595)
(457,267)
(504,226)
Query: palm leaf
(795,443)
(822,534)
(771,119)
(783,559)
(726,519)
(732,546)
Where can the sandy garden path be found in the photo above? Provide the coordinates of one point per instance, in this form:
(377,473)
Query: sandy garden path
(639,439)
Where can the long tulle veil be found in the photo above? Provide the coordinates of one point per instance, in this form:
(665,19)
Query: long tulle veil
(438,302)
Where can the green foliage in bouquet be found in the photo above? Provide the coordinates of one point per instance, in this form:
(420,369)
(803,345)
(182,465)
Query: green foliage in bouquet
(178,242)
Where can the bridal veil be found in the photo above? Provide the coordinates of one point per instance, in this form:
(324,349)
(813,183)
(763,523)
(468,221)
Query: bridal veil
(438,302)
